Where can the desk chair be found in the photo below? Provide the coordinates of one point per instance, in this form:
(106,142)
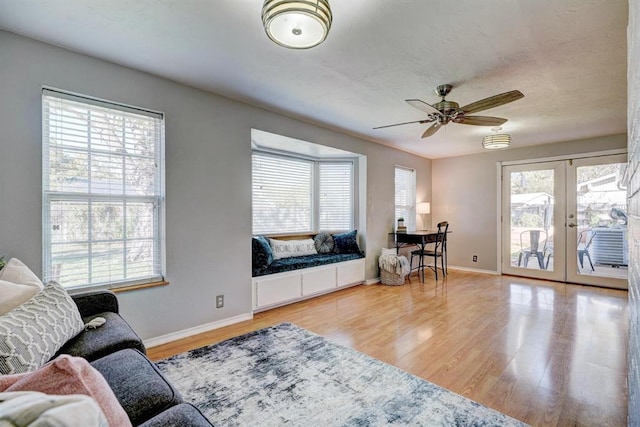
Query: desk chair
(533,238)
(438,251)
(587,236)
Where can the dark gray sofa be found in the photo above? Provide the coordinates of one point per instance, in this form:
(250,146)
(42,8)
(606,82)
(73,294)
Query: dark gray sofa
(117,352)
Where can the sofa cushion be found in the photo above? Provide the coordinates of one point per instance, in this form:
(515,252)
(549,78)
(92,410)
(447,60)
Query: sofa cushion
(31,408)
(70,375)
(114,335)
(33,332)
(346,243)
(183,414)
(18,284)
(139,386)
(324,243)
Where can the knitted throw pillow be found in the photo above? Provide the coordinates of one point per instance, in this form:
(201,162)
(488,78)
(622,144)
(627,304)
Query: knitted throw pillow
(324,243)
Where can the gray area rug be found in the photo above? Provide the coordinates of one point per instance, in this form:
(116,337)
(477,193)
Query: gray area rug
(286,375)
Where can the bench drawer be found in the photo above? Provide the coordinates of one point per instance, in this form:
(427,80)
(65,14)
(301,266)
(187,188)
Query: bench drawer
(318,280)
(351,272)
(275,290)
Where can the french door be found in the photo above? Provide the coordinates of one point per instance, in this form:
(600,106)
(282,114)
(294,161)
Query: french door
(566,221)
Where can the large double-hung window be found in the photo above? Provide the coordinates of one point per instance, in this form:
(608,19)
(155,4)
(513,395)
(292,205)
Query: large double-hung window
(102,192)
(299,195)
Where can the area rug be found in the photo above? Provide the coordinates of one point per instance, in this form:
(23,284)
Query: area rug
(286,375)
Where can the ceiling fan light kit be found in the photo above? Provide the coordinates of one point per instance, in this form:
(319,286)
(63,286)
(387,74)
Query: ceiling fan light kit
(298,24)
(497,141)
(444,112)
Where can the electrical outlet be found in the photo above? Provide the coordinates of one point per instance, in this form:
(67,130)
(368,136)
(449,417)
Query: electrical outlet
(219,301)
(475,258)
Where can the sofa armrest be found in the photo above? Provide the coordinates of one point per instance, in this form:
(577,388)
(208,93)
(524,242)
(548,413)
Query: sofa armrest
(94,302)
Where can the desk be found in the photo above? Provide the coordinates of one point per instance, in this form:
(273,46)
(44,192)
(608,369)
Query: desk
(421,239)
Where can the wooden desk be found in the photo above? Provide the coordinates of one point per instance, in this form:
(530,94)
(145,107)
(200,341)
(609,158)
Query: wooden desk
(421,239)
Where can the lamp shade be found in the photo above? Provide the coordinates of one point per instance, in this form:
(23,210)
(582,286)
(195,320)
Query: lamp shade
(297,24)
(497,141)
(423,208)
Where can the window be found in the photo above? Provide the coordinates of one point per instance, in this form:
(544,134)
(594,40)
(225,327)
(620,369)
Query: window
(102,168)
(296,195)
(405,203)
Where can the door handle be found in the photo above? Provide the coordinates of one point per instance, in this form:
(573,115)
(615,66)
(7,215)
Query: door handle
(572,224)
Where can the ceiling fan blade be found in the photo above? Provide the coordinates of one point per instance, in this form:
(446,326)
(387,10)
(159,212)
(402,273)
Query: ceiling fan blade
(482,121)
(492,101)
(405,123)
(431,130)
(423,106)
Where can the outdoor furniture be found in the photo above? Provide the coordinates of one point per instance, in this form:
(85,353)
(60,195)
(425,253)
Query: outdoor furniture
(586,238)
(533,243)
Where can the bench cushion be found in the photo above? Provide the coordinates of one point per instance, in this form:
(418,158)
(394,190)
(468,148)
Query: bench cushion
(306,261)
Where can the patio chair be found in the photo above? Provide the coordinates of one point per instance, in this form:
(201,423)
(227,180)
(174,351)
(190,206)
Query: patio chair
(533,243)
(587,236)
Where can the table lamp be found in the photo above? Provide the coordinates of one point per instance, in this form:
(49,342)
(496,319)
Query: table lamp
(423,209)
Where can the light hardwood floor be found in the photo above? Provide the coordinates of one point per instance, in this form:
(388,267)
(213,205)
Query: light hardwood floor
(545,353)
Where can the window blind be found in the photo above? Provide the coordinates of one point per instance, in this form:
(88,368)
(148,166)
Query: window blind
(102,192)
(405,196)
(336,196)
(281,194)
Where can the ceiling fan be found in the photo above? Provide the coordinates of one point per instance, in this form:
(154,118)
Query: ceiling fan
(445,111)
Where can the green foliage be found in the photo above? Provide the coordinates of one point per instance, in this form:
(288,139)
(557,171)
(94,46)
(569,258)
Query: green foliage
(3,262)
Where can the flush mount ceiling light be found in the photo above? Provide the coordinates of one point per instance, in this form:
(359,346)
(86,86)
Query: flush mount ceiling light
(497,141)
(297,24)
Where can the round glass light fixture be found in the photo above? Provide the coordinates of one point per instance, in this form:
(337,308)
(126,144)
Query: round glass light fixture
(497,141)
(297,24)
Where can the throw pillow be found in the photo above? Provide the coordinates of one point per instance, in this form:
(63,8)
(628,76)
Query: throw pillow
(33,332)
(70,375)
(32,408)
(261,255)
(290,248)
(387,251)
(346,243)
(324,243)
(17,285)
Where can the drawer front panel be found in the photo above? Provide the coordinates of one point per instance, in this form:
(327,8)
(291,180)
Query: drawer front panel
(352,272)
(318,280)
(273,291)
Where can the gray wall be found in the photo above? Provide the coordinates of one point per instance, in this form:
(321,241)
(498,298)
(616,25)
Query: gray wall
(208,177)
(465,194)
(633,117)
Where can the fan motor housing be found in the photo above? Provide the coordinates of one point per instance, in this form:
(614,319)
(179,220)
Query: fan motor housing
(447,107)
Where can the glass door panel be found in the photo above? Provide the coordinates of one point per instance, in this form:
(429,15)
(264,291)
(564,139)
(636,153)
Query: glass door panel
(597,222)
(530,219)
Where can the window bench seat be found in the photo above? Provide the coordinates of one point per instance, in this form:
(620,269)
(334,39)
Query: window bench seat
(305,261)
(288,280)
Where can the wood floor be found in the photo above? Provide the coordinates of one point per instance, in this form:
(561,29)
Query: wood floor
(546,353)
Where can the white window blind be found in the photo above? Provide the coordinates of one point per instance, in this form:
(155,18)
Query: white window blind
(336,196)
(102,192)
(405,196)
(282,194)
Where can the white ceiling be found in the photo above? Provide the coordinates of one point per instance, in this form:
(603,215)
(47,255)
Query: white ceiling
(567,56)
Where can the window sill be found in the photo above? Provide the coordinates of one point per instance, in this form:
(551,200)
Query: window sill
(139,286)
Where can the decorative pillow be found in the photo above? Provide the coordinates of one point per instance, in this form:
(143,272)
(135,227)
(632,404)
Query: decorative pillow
(33,332)
(261,255)
(290,248)
(346,243)
(70,375)
(324,243)
(32,408)
(387,251)
(17,285)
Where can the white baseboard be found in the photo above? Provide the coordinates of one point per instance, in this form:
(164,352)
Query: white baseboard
(173,336)
(372,281)
(473,270)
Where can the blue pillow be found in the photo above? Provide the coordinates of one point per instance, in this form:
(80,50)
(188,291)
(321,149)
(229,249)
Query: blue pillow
(346,243)
(261,255)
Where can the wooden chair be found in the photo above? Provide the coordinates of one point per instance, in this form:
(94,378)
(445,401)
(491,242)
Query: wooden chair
(438,251)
